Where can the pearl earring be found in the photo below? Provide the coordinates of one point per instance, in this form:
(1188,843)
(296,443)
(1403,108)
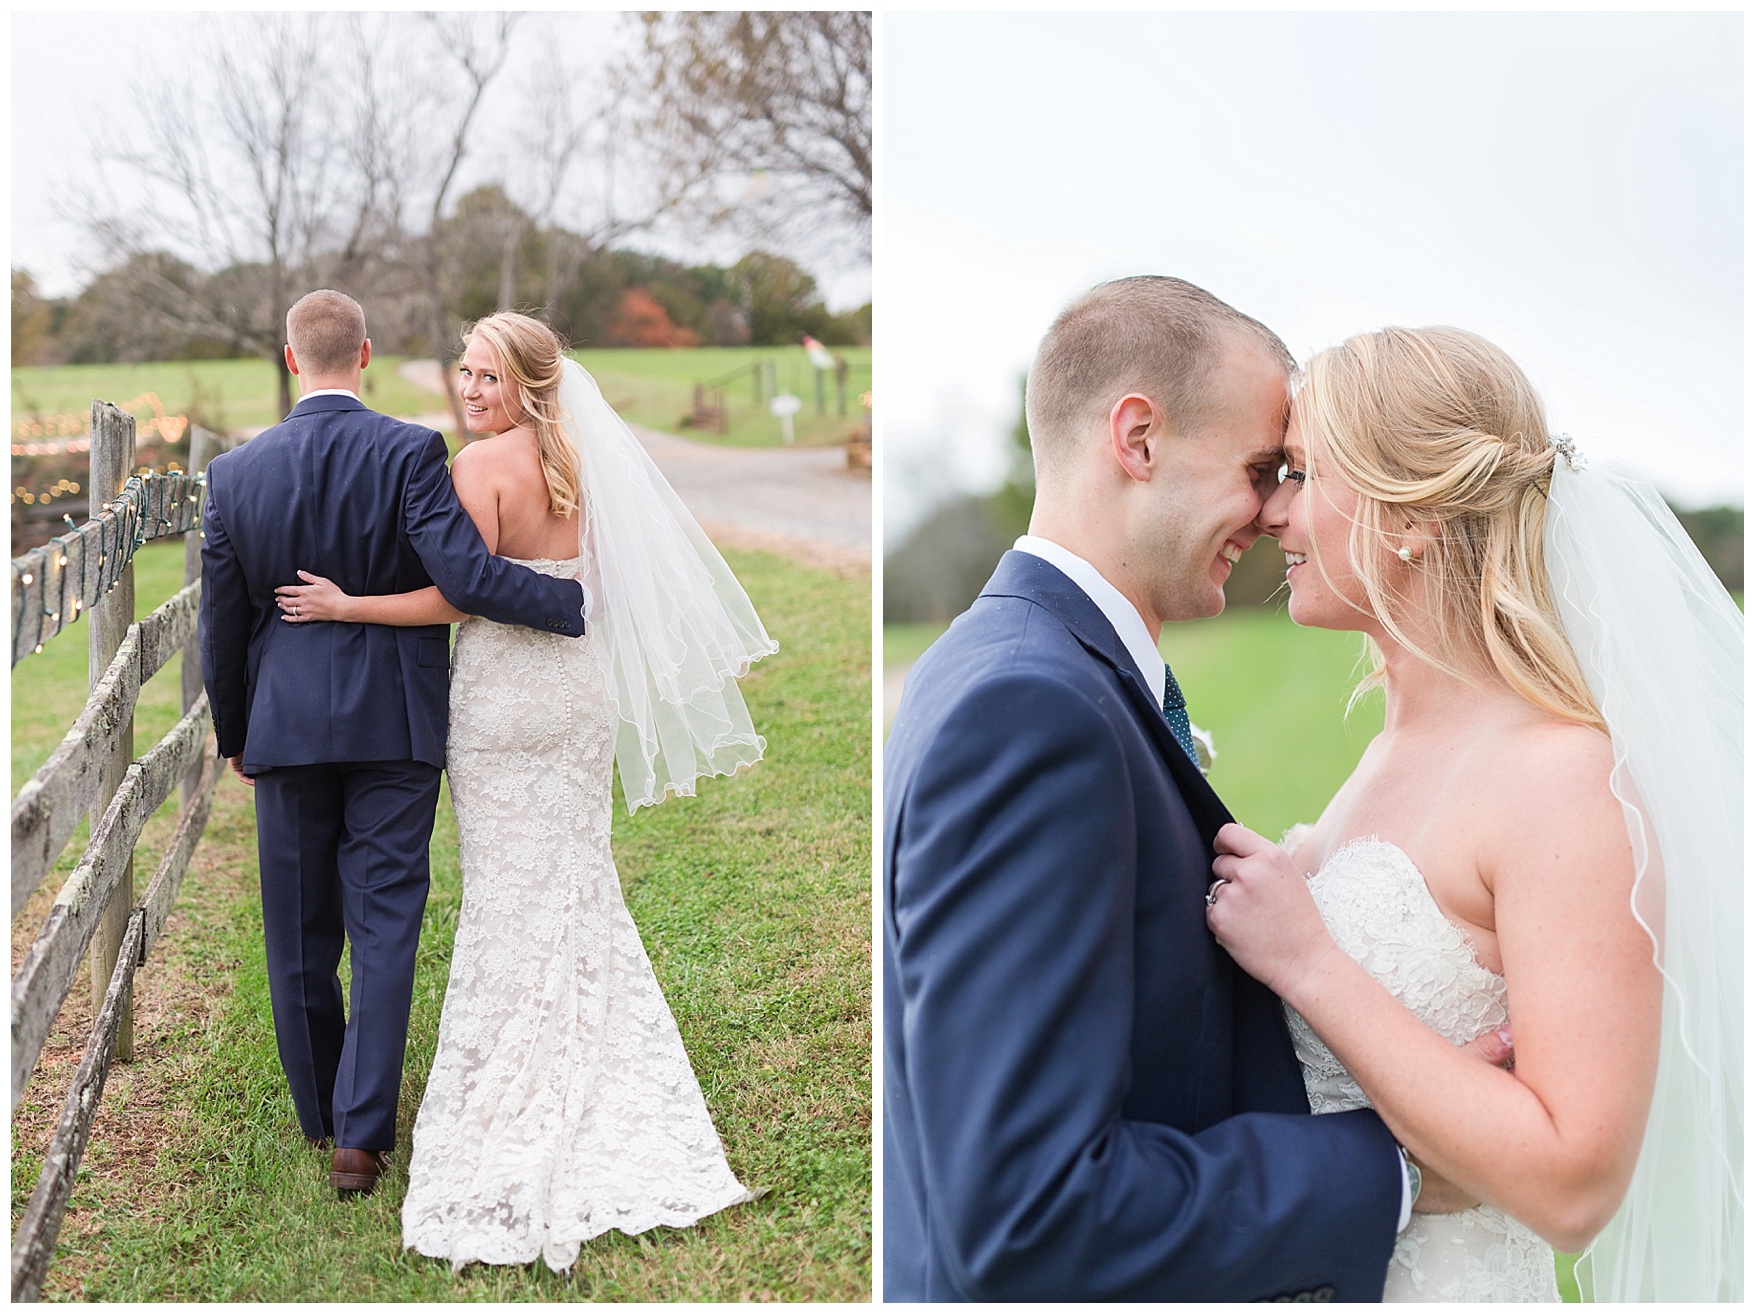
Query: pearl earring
(1405,553)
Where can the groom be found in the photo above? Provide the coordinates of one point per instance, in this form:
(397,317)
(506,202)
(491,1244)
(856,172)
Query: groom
(341,728)
(1084,1097)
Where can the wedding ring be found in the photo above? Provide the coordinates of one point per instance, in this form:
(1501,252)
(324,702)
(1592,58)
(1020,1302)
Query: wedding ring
(1213,891)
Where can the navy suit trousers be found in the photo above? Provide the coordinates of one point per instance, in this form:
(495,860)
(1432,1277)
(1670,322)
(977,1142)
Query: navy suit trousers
(344,852)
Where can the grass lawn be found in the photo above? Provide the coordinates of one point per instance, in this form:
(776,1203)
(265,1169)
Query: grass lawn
(753,902)
(219,394)
(652,387)
(1273,695)
(655,387)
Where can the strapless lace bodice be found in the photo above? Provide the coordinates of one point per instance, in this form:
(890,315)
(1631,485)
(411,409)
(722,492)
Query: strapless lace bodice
(1379,910)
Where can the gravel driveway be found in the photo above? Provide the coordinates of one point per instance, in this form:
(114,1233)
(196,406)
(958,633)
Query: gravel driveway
(802,502)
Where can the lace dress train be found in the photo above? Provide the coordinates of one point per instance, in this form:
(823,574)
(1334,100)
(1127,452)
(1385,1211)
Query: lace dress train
(561,1103)
(1378,908)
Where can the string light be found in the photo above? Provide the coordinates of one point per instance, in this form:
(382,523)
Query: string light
(66,488)
(139,514)
(170,428)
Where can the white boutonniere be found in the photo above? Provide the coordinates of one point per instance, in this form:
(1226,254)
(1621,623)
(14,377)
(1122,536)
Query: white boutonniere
(1204,749)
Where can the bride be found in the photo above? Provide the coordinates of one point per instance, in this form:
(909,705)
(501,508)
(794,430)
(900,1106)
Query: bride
(1547,834)
(561,1103)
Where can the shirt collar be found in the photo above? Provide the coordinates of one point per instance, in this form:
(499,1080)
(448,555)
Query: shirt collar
(330,392)
(1119,612)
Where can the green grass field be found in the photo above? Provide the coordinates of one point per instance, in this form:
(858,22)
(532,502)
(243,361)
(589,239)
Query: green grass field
(652,387)
(219,394)
(655,387)
(753,902)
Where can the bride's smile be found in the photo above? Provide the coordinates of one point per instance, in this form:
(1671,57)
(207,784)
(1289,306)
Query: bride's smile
(1313,524)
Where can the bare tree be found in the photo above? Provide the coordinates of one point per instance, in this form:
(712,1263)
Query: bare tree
(472,52)
(779,102)
(246,181)
(575,148)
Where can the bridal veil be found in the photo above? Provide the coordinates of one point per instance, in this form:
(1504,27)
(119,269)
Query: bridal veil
(1661,646)
(674,628)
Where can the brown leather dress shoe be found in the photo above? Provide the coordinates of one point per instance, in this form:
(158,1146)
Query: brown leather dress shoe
(356,1172)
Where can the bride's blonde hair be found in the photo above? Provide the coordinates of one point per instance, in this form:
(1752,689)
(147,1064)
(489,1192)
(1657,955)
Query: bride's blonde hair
(1437,428)
(530,361)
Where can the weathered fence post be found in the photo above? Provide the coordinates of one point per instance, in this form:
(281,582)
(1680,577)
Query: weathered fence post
(112,461)
(840,385)
(200,452)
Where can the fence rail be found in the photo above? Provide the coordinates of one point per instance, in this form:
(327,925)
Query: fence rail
(53,585)
(47,810)
(51,965)
(89,570)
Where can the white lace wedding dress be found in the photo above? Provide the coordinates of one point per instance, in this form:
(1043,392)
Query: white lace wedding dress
(561,1103)
(1378,908)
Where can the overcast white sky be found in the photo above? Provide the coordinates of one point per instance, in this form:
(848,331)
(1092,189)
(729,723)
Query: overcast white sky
(1569,185)
(72,76)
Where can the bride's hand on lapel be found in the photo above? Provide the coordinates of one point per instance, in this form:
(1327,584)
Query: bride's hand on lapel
(1260,909)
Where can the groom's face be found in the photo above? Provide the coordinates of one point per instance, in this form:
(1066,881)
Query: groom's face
(1218,477)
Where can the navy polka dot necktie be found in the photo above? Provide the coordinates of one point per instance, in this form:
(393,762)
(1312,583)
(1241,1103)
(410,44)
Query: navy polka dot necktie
(1176,713)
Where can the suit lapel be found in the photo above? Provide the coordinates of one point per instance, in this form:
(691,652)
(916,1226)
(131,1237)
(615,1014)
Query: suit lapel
(1022,575)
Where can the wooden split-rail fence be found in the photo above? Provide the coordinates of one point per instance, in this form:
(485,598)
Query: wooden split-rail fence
(88,572)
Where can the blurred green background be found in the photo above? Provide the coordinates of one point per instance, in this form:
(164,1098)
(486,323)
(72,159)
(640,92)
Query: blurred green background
(1273,696)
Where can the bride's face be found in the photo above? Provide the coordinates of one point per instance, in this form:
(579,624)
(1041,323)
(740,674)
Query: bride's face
(488,406)
(1312,518)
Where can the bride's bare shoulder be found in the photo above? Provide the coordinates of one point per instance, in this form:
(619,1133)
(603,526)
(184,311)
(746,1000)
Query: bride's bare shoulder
(1551,744)
(1551,795)
(507,461)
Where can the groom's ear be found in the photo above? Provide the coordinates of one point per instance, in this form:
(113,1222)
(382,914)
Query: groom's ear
(1136,426)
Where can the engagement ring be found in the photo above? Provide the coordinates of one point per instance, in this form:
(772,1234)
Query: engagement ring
(1213,891)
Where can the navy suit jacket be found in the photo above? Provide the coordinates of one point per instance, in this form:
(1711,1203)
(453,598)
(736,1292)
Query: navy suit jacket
(1084,1097)
(365,500)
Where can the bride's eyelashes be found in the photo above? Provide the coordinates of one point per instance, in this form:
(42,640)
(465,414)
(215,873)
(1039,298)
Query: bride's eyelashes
(1289,474)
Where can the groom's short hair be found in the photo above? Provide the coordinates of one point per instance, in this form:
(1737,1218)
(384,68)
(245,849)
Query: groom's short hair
(326,330)
(1161,337)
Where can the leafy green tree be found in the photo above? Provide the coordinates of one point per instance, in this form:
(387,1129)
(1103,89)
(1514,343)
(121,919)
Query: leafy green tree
(775,295)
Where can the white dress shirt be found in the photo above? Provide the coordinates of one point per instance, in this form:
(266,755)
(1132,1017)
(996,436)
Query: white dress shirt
(1116,609)
(1131,627)
(330,392)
